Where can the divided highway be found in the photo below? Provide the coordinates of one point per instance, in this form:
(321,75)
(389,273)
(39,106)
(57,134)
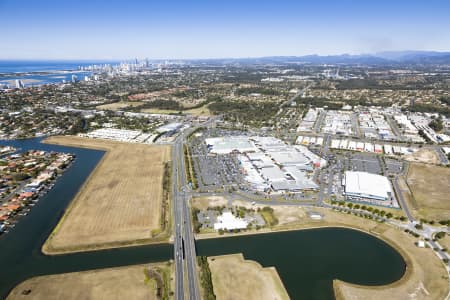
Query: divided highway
(184,244)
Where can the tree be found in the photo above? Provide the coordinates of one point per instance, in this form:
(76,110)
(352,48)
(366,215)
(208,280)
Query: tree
(440,235)
(436,125)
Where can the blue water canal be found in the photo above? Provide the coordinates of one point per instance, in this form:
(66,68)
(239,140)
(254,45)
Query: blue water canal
(306,260)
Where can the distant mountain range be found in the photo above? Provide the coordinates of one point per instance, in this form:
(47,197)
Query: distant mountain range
(380,58)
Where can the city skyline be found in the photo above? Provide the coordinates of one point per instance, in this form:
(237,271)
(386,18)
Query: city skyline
(177,30)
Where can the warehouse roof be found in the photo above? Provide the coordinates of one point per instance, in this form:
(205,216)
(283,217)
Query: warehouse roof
(367,185)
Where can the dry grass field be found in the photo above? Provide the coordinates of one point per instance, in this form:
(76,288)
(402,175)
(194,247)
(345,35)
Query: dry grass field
(236,278)
(201,111)
(430,189)
(119,105)
(115,283)
(120,204)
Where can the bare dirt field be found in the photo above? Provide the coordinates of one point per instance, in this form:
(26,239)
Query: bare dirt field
(119,105)
(236,278)
(129,282)
(120,204)
(424,155)
(425,277)
(430,189)
(203,203)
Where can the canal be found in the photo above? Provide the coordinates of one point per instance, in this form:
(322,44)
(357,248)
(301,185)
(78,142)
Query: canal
(307,260)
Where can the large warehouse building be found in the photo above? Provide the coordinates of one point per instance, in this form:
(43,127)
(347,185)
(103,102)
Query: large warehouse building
(362,185)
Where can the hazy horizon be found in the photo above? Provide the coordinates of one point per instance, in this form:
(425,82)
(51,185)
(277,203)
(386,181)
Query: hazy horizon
(125,59)
(114,30)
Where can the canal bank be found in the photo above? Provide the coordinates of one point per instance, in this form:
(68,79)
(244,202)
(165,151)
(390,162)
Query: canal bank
(307,261)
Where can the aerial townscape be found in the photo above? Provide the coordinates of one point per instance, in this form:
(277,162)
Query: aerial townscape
(162,161)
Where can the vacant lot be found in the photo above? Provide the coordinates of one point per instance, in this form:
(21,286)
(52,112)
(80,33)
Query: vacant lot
(119,105)
(424,155)
(430,189)
(129,282)
(203,203)
(120,204)
(236,278)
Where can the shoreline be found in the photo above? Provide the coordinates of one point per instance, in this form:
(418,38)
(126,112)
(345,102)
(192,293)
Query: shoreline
(97,283)
(392,244)
(28,204)
(410,264)
(415,267)
(246,274)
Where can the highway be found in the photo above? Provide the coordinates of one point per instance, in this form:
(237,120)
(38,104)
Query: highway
(184,242)
(292,99)
(178,219)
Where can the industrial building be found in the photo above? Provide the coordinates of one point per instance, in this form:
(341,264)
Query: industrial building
(367,186)
(338,122)
(121,135)
(307,124)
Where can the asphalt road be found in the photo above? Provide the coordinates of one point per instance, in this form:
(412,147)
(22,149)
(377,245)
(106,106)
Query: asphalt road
(292,99)
(442,156)
(402,200)
(178,218)
(184,242)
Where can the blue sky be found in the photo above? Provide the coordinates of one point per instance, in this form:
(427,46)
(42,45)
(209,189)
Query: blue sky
(101,29)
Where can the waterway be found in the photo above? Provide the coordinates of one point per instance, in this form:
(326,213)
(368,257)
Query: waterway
(306,260)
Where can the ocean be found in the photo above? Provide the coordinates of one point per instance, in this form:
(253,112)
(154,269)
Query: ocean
(34,73)
(26,66)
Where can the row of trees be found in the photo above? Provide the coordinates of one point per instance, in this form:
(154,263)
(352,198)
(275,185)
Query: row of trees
(370,209)
(205,278)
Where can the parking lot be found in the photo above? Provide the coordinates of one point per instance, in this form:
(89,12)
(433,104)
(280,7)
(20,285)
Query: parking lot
(341,162)
(361,162)
(393,166)
(213,171)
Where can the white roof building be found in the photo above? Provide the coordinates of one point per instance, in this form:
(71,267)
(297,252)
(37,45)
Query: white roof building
(388,149)
(351,145)
(368,147)
(226,145)
(343,144)
(228,221)
(367,185)
(273,174)
(290,158)
(335,144)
